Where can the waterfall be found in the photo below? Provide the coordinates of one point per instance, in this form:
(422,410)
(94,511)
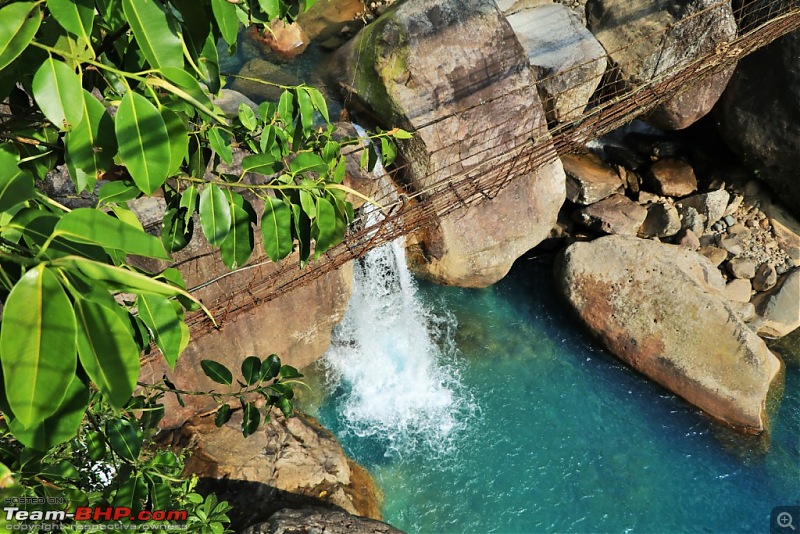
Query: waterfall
(393,358)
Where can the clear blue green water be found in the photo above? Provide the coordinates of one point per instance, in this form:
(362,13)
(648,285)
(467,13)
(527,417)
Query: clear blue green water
(490,411)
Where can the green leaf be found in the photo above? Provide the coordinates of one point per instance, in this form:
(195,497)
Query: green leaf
(160,494)
(189,199)
(325,225)
(223,415)
(308,162)
(95,445)
(75,16)
(220,141)
(39,364)
(117,192)
(308,204)
(91,145)
(270,367)
(247,116)
(260,163)
(175,231)
(164,324)
(217,372)
(89,225)
(282,390)
(208,63)
(251,370)
(119,278)
(189,83)
(251,418)
(178,140)
(228,22)
(397,133)
(238,246)
(19,22)
(276,228)
(56,88)
(286,406)
(131,494)
(215,215)
(319,102)
(306,110)
(271,8)
(287,371)
(144,144)
(107,351)
(302,231)
(61,425)
(157,40)
(16,185)
(388,151)
(286,107)
(124,214)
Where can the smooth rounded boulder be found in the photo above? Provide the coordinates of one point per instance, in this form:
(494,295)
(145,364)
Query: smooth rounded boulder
(661,309)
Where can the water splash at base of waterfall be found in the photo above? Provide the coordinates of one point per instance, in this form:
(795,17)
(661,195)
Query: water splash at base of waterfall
(395,359)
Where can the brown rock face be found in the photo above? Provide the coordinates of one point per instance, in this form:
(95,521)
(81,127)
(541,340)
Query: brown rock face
(287,462)
(473,108)
(589,180)
(672,177)
(660,308)
(647,38)
(286,41)
(616,214)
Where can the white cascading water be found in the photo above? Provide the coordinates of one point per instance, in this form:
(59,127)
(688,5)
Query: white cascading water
(390,352)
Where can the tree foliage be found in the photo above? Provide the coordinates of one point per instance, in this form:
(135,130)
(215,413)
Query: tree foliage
(121,94)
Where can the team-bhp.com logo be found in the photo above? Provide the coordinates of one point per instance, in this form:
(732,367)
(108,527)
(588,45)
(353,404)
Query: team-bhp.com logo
(94,514)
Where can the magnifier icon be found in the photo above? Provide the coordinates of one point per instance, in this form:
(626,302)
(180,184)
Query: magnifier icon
(784,520)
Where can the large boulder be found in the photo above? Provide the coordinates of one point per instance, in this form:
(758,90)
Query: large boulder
(759,116)
(647,38)
(565,58)
(286,462)
(661,309)
(454,73)
(779,309)
(322,520)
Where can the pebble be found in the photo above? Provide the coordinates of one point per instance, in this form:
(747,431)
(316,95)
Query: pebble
(743,268)
(729,220)
(766,277)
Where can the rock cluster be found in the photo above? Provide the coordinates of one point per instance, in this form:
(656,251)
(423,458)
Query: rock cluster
(286,463)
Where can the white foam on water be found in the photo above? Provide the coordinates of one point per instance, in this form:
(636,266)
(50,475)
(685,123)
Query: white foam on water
(394,355)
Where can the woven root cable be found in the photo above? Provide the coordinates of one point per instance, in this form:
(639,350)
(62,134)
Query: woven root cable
(760,24)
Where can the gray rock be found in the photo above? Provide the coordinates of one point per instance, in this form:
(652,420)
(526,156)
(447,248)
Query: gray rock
(473,108)
(589,180)
(616,214)
(662,221)
(709,205)
(631,31)
(229,101)
(319,521)
(738,290)
(742,268)
(661,309)
(671,177)
(566,59)
(766,277)
(691,220)
(779,308)
(729,220)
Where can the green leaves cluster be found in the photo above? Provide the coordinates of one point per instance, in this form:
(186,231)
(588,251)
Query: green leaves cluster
(267,378)
(110,462)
